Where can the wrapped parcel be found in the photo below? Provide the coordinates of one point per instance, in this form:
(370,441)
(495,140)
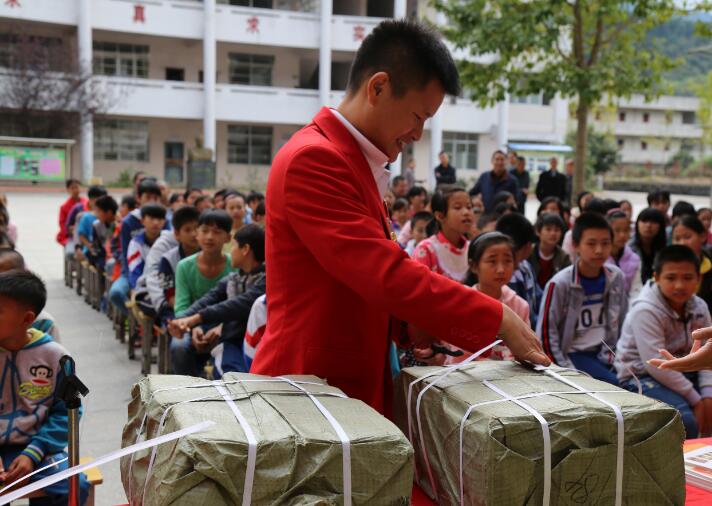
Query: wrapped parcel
(285,450)
(479,435)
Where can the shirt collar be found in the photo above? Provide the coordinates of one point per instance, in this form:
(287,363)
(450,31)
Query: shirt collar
(376,159)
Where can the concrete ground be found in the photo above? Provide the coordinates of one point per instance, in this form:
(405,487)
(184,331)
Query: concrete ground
(102,362)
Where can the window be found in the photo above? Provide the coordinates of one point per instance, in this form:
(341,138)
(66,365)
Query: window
(249,144)
(175,74)
(38,50)
(116,139)
(689,117)
(621,143)
(646,117)
(262,4)
(643,145)
(254,69)
(462,148)
(128,60)
(667,146)
(535,99)
(621,116)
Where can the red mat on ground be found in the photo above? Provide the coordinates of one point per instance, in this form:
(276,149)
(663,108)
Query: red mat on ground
(694,497)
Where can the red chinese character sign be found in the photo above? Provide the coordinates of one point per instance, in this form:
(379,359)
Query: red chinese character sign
(253,25)
(13,3)
(139,13)
(359,32)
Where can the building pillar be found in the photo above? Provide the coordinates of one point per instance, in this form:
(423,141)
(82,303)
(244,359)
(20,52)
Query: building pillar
(325,54)
(209,75)
(436,145)
(399,9)
(86,130)
(503,123)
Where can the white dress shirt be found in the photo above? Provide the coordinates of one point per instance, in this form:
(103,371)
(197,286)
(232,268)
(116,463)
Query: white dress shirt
(376,159)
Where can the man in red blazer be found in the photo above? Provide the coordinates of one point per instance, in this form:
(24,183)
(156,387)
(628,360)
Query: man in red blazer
(338,286)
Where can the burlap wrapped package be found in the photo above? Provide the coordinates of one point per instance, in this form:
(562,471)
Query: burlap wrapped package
(299,456)
(503,445)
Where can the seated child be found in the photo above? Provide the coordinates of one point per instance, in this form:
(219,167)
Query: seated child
(161,283)
(259,214)
(622,256)
(585,304)
(689,231)
(45,322)
(235,207)
(523,282)
(663,317)
(85,220)
(105,210)
(418,226)
(256,325)
(33,421)
(229,305)
(548,258)
(153,218)
(399,215)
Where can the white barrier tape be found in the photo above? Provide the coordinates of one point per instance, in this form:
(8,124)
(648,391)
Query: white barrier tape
(440,376)
(109,457)
(53,464)
(343,437)
(544,431)
(619,423)
(251,445)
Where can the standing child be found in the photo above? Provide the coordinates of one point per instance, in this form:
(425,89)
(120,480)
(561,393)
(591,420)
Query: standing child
(74,190)
(446,251)
(235,207)
(690,232)
(153,218)
(622,256)
(32,419)
(584,304)
(548,258)
(663,317)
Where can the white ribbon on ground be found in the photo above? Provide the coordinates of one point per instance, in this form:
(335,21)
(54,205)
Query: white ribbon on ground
(109,457)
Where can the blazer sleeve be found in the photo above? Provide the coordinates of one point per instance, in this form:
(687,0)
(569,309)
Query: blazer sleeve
(328,211)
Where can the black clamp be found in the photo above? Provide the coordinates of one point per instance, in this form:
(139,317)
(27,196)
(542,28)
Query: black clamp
(70,388)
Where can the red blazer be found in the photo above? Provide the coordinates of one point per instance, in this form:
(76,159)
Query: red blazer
(334,277)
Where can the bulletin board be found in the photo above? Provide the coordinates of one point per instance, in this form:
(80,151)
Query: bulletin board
(27,163)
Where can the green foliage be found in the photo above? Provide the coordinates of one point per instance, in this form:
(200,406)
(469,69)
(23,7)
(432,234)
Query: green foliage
(601,152)
(125,179)
(683,158)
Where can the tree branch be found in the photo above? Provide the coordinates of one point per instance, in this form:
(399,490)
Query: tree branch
(593,57)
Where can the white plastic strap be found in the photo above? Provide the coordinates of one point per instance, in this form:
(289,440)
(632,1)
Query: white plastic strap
(619,423)
(544,431)
(53,464)
(109,457)
(343,437)
(440,376)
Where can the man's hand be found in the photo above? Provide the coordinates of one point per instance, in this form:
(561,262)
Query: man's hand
(520,339)
(700,356)
(427,356)
(21,466)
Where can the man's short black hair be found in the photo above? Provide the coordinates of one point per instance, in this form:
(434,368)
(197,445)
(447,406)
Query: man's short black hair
(397,180)
(550,220)
(129,201)
(96,191)
(203,198)
(425,216)
(25,288)
(252,196)
(12,258)
(174,197)
(69,182)
(416,191)
(261,209)
(107,204)
(191,190)
(589,221)
(149,186)
(681,208)
(411,53)
(675,253)
(518,228)
(216,217)
(154,211)
(656,196)
(595,205)
(400,204)
(254,236)
(183,216)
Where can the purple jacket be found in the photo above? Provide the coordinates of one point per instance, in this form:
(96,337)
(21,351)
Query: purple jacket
(629,263)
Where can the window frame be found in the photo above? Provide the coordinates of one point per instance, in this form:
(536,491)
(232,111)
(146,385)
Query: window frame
(241,146)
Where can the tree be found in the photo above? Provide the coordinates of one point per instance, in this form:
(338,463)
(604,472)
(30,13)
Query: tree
(43,92)
(601,154)
(578,49)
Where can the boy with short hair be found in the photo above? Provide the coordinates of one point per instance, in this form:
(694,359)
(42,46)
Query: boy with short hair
(153,218)
(523,282)
(32,419)
(418,225)
(548,258)
(161,282)
(105,210)
(585,304)
(259,214)
(229,305)
(399,215)
(85,219)
(74,189)
(254,199)
(663,317)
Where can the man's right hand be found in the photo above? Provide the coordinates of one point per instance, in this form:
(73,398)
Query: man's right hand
(520,339)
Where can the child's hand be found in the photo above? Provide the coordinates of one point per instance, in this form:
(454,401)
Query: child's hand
(21,466)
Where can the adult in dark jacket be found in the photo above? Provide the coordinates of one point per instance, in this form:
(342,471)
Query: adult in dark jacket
(494,181)
(521,174)
(551,183)
(445,173)
(228,303)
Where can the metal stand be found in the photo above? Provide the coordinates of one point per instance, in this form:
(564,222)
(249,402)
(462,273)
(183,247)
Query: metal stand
(71,390)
